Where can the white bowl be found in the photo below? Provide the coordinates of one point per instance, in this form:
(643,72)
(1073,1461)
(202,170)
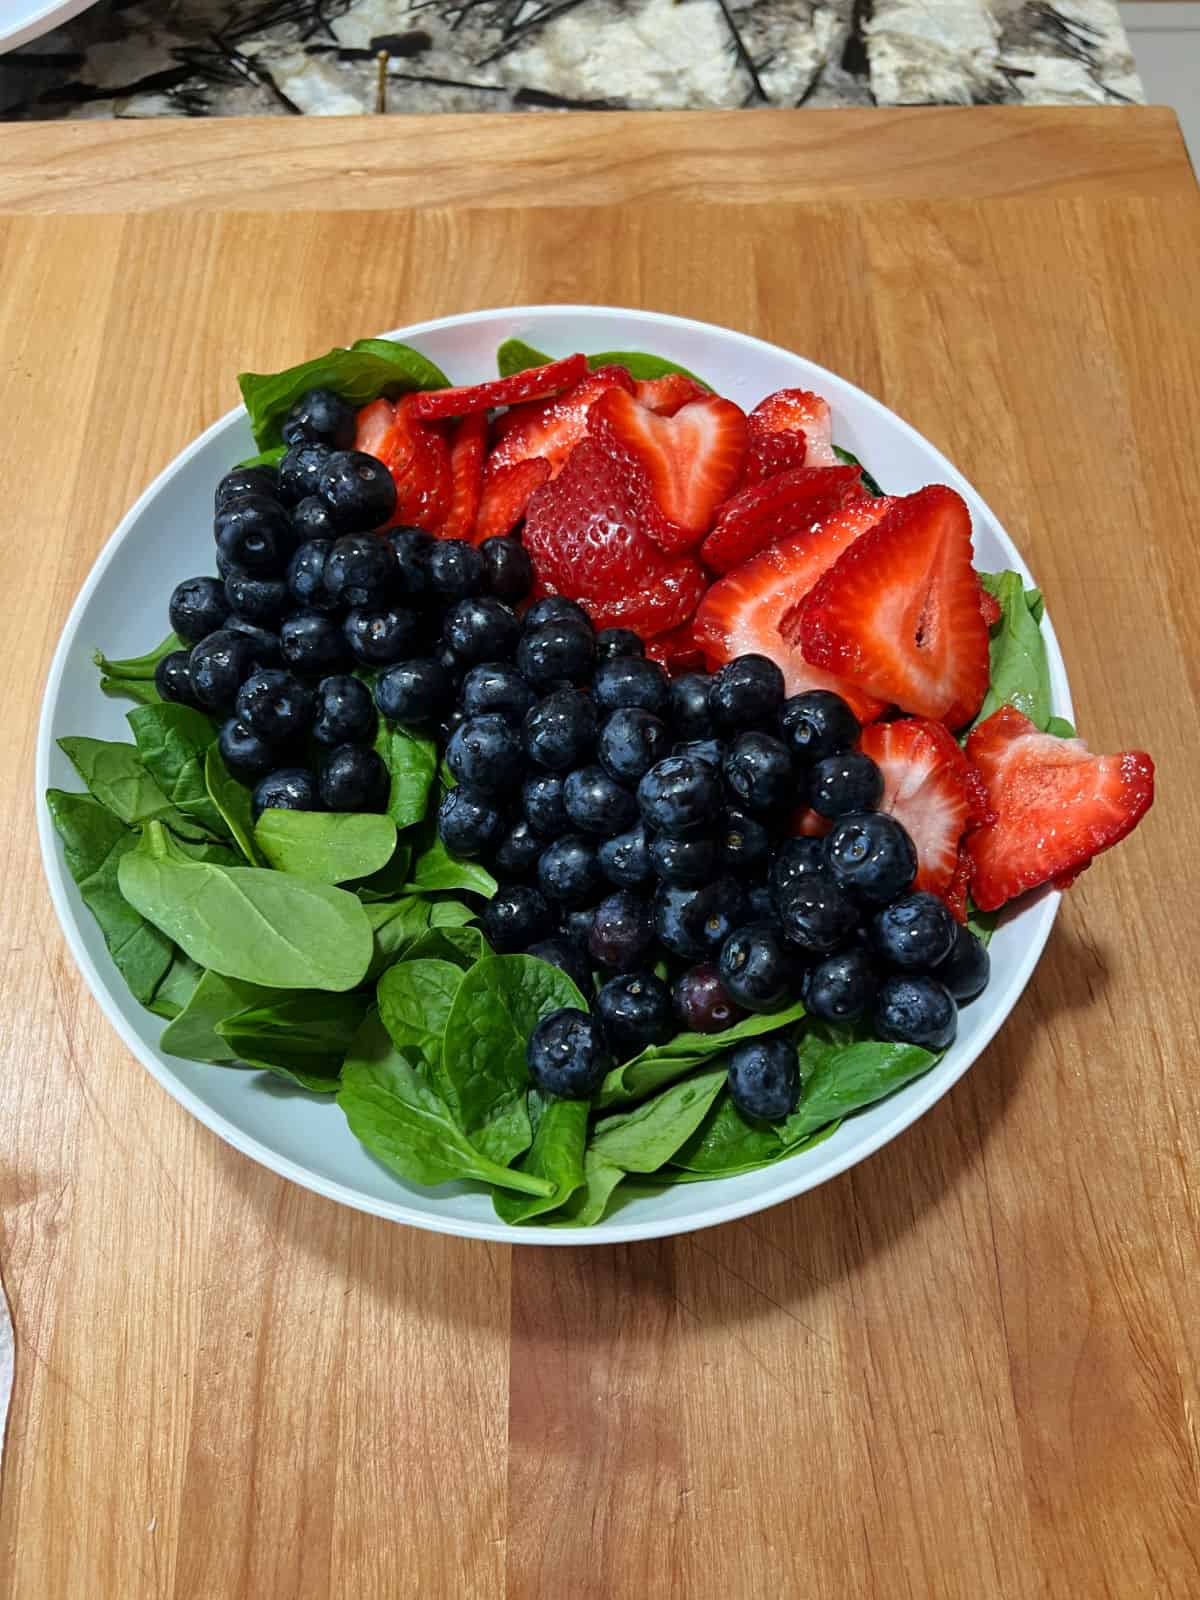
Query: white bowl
(167,536)
(23,20)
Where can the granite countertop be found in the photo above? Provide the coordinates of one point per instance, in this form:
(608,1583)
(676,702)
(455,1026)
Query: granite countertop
(132,58)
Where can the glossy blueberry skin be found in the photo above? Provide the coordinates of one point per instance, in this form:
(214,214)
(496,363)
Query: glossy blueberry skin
(198,607)
(321,417)
(557,652)
(797,857)
(710,750)
(254,534)
(354,778)
(560,730)
(596,803)
(518,851)
(358,489)
(622,931)
(248,756)
(567,956)
(496,686)
(381,638)
(485,753)
(816,724)
(312,642)
(542,803)
(747,692)
(871,855)
(344,712)
(915,1010)
(686,863)
(816,914)
(694,923)
(702,1003)
(412,548)
(262,601)
(454,569)
(632,681)
(759,905)
(744,845)
(173,679)
(360,570)
(575,923)
(757,968)
(568,1054)
(469,822)
(764,1078)
(306,575)
(218,666)
(416,692)
(515,917)
(966,970)
(481,628)
(300,471)
(246,480)
(758,771)
(625,860)
(275,705)
(635,1009)
(555,608)
(567,871)
(630,742)
(914,933)
(507,569)
(313,520)
(842,987)
(612,643)
(841,784)
(689,707)
(286,789)
(679,796)
(267,651)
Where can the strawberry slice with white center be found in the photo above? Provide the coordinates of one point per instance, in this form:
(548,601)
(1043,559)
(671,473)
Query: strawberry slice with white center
(756,608)
(552,428)
(1055,806)
(798,411)
(535,383)
(417,457)
(765,512)
(664,396)
(899,614)
(679,468)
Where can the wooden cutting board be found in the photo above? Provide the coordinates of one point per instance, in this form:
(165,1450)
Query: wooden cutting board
(967,1367)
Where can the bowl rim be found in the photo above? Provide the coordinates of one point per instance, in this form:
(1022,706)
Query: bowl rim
(806,1174)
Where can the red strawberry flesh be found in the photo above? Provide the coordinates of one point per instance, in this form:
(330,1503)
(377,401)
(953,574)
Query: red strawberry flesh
(767,512)
(535,383)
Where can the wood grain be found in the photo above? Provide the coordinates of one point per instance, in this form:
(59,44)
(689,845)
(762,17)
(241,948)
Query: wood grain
(967,1368)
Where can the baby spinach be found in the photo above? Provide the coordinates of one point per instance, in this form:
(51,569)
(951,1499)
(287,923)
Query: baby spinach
(330,846)
(116,775)
(589,1202)
(461,946)
(300,1037)
(838,1079)
(389,881)
(232,800)
(367,369)
(411,761)
(1020,670)
(407,1125)
(514,356)
(177,987)
(172,741)
(848,459)
(727,1142)
(414,999)
(133,677)
(557,1153)
(94,842)
(433,867)
(261,926)
(1061,728)
(193,1033)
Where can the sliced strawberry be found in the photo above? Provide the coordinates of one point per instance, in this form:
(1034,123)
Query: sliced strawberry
(989,607)
(771,453)
(664,396)
(931,789)
(1055,805)
(374,428)
(552,428)
(955,893)
(899,613)
(416,456)
(680,468)
(535,383)
(755,608)
(767,512)
(676,651)
(809,824)
(658,604)
(798,411)
(506,494)
(466,477)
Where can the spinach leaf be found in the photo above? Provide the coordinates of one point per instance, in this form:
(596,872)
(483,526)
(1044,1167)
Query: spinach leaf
(263,927)
(556,1153)
(94,841)
(641,1140)
(133,677)
(839,1079)
(588,1204)
(266,458)
(659,1064)
(1061,728)
(449,914)
(727,1142)
(407,1125)
(1020,670)
(369,368)
(411,761)
(389,881)
(177,987)
(981,923)
(396,926)
(302,1038)
(514,355)
(433,867)
(193,1033)
(118,778)
(172,741)
(414,999)
(498,1004)
(329,846)
(847,458)
(461,946)
(232,800)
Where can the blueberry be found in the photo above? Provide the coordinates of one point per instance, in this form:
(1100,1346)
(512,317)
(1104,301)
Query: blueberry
(612,643)
(507,569)
(247,755)
(454,569)
(689,706)
(795,858)
(450,725)
(631,741)
(451,665)
(710,750)
(416,692)
(286,789)
(313,520)
(816,724)
(218,666)
(702,1004)
(275,705)
(622,931)
(744,844)
(300,471)
(197,608)
(841,988)
(694,923)
(516,916)
(306,575)
(321,417)
(575,924)
(485,753)
(966,970)
(555,608)
(555,652)
(567,956)
(679,796)
(596,803)
(567,1054)
(869,853)
(381,638)
(764,1079)
(246,480)
(412,548)
(687,863)
(518,851)
(816,914)
(542,803)
(312,642)
(757,968)
(560,730)
(358,489)
(631,681)
(759,905)
(758,770)
(567,871)
(625,860)
(344,711)
(354,778)
(914,933)
(360,571)
(173,678)
(481,628)
(746,693)
(267,651)
(917,1011)
(496,686)
(254,534)
(841,784)
(469,822)
(257,599)
(636,1011)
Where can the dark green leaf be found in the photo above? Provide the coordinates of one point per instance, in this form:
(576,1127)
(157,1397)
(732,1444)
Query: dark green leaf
(266,458)
(433,867)
(177,987)
(138,666)
(514,356)
(1020,670)
(1061,728)
(117,776)
(981,923)
(232,800)
(172,741)
(727,1143)
(396,927)
(839,1079)
(411,761)
(302,1037)
(389,881)
(414,999)
(462,946)
(556,1154)
(661,1064)
(329,846)
(641,1140)
(588,1204)
(847,458)
(193,1033)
